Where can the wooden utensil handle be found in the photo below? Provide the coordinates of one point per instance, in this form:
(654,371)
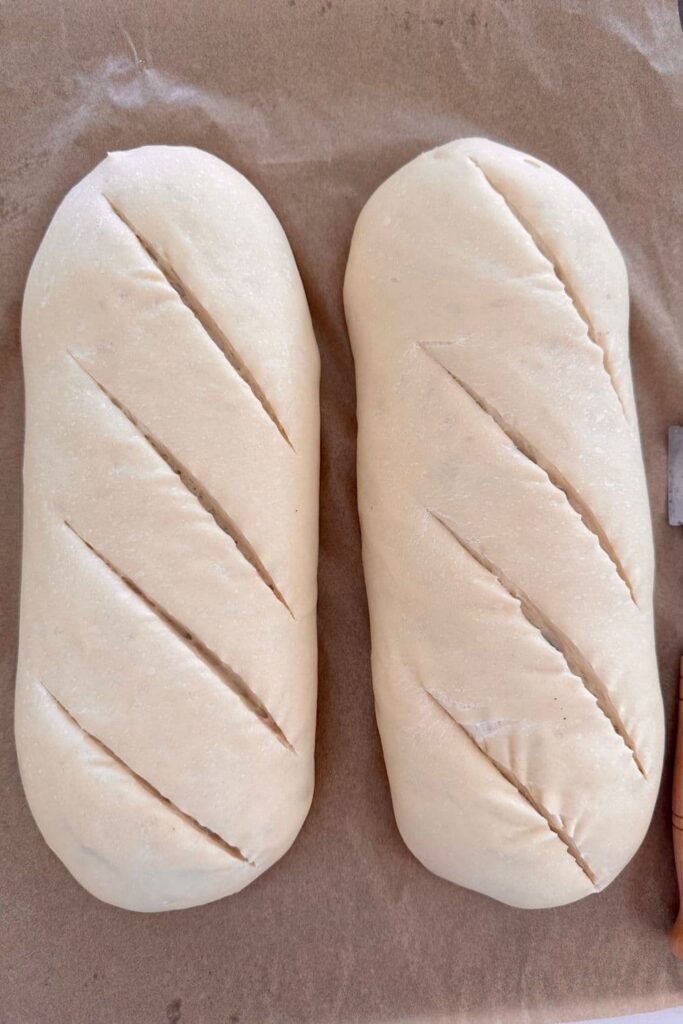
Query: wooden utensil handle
(676,933)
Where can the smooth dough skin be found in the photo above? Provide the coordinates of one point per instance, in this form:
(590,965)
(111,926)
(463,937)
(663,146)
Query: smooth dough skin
(506,532)
(166,690)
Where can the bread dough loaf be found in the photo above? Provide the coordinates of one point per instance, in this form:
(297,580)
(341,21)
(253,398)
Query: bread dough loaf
(166,686)
(506,532)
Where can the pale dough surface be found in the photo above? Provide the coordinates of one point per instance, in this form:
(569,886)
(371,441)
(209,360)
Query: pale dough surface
(166,689)
(506,531)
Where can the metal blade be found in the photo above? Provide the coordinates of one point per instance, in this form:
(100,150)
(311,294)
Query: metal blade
(676,476)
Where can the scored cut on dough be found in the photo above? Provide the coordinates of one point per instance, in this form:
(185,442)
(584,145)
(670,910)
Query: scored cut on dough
(166,687)
(507,542)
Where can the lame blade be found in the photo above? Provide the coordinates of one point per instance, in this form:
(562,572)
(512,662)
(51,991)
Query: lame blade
(676,476)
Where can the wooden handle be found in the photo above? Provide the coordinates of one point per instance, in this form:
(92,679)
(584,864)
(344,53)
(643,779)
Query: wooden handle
(676,933)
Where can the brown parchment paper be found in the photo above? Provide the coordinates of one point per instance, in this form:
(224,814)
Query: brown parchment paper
(317,101)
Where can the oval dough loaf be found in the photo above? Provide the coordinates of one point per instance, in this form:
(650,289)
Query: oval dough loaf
(506,532)
(166,690)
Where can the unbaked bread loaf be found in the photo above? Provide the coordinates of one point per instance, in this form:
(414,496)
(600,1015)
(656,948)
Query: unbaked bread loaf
(166,686)
(506,533)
